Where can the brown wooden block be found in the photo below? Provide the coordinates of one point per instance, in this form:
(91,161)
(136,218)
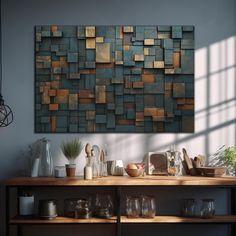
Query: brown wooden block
(53,107)
(86,94)
(53,124)
(176,60)
(90,31)
(169,71)
(163,35)
(103,53)
(119,62)
(57,77)
(90,115)
(185,107)
(56,64)
(189,100)
(73,101)
(146,51)
(100,94)
(61,99)
(99,39)
(158,118)
(63,64)
(148,78)
(139,123)
(105,65)
(110,97)
(125,122)
(139,116)
(159,64)
(91,126)
(139,57)
(45,98)
(138,84)
(180,101)
(62,92)
(54,28)
(170,114)
(149,100)
(55,84)
(148,41)
(43,58)
(129,105)
(126,47)
(87,71)
(168,86)
(128,29)
(154,112)
(39,65)
(74,76)
(86,101)
(118,56)
(52,92)
(41,89)
(90,43)
(178,90)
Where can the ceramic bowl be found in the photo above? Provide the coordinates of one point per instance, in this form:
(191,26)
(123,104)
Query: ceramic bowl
(134,172)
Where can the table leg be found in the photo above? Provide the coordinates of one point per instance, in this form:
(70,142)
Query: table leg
(233,210)
(118,198)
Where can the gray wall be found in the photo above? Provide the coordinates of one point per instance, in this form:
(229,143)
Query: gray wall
(214,22)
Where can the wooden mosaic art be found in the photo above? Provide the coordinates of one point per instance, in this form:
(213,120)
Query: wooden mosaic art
(111,79)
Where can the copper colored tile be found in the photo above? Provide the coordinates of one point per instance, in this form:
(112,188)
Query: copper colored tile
(53,107)
(53,124)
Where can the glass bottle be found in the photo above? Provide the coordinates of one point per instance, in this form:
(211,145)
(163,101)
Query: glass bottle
(46,162)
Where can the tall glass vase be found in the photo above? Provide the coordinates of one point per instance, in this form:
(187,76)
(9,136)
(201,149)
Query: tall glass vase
(46,162)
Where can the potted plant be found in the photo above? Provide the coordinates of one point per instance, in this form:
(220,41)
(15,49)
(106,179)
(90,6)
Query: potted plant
(71,150)
(230,159)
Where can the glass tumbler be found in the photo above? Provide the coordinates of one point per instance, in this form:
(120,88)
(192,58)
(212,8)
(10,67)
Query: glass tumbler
(189,207)
(207,208)
(148,206)
(133,207)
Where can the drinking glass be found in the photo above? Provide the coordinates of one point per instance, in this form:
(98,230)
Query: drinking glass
(189,207)
(104,206)
(148,206)
(133,207)
(83,209)
(207,208)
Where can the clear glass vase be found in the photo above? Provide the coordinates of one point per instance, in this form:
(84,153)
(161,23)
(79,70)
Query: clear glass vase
(46,162)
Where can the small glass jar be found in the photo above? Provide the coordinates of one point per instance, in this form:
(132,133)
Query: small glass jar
(189,207)
(133,208)
(207,208)
(104,206)
(83,209)
(69,207)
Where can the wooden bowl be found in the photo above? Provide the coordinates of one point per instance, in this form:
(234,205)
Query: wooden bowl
(134,172)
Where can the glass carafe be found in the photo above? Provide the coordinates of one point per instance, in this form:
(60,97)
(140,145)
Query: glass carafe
(46,162)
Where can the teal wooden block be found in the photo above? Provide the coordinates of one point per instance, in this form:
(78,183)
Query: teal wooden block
(150,33)
(101,31)
(61,130)
(57,34)
(110,32)
(138,43)
(167,43)
(45,45)
(159,54)
(187,62)
(131,114)
(187,44)
(172,127)
(54,48)
(111,123)
(61,54)
(38,29)
(72,57)
(111,106)
(80,32)
(124,128)
(189,90)
(136,71)
(62,122)
(159,98)
(154,88)
(139,36)
(90,65)
(149,59)
(101,119)
(119,89)
(45,119)
(176,32)
(135,78)
(63,107)
(168,58)
(68,31)
(188,28)
(73,45)
(127,71)
(129,98)
(46,34)
(136,49)
(73,128)
(163,28)
(148,64)
(129,63)
(104,73)
(84,107)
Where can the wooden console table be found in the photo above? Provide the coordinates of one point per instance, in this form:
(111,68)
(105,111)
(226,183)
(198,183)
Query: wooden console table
(118,183)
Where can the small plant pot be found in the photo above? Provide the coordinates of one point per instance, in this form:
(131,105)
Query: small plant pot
(70,170)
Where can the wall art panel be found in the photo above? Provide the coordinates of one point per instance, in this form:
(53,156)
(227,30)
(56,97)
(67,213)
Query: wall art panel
(112,79)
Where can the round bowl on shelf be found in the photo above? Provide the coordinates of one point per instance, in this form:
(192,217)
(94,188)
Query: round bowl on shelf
(134,172)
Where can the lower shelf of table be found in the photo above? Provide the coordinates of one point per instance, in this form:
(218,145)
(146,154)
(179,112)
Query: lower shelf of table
(60,220)
(126,220)
(180,219)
